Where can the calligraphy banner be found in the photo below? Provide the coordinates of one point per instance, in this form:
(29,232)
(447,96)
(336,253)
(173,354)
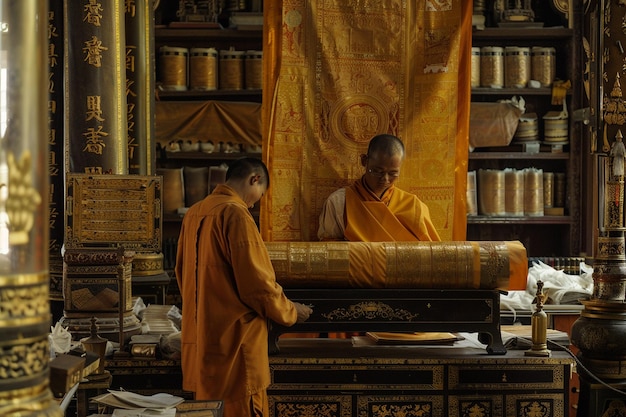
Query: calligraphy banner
(338,72)
(96,120)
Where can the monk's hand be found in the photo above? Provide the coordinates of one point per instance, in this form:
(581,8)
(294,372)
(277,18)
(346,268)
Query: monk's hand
(304,311)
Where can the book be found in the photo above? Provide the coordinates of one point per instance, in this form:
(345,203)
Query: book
(413,338)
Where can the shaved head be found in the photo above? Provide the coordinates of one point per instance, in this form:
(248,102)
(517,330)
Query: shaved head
(386,145)
(241,168)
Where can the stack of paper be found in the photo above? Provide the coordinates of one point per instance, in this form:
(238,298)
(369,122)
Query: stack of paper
(130,404)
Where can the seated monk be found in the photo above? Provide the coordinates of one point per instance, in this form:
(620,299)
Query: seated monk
(372,209)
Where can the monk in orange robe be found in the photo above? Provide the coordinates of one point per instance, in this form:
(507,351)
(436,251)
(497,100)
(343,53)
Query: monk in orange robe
(229,292)
(372,209)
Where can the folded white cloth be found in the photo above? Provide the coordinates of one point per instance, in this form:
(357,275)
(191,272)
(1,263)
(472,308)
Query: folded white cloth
(556,285)
(60,339)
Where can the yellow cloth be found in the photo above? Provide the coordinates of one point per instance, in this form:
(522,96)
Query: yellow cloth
(483,265)
(395,216)
(229,291)
(337,73)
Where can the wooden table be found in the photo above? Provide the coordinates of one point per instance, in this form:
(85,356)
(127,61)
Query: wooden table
(332,377)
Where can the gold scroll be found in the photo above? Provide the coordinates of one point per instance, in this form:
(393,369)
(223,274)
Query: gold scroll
(435,265)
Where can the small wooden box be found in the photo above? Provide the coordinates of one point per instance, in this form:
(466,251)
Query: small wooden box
(65,372)
(92,280)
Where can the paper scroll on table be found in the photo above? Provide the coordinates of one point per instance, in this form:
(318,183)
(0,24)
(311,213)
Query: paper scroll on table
(434,265)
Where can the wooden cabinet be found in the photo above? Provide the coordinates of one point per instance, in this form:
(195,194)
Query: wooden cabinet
(331,377)
(147,376)
(556,234)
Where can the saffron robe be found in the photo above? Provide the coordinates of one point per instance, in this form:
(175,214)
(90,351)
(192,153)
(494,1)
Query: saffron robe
(229,291)
(356,214)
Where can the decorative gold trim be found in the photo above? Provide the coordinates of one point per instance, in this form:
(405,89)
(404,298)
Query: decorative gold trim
(25,360)
(23,279)
(29,321)
(541,404)
(436,381)
(612,248)
(24,300)
(369,310)
(486,404)
(32,401)
(564,7)
(311,405)
(23,198)
(557,381)
(401,405)
(146,264)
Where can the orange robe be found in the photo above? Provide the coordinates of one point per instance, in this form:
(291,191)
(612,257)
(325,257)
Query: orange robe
(396,216)
(229,291)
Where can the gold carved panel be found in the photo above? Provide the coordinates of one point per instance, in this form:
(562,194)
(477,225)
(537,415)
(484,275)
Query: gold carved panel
(487,404)
(400,405)
(535,405)
(330,405)
(113,210)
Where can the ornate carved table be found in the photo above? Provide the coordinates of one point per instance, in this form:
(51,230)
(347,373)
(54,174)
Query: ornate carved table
(334,378)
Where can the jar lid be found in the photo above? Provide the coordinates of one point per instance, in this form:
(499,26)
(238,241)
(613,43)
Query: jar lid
(173,49)
(231,53)
(202,51)
(516,50)
(543,50)
(492,49)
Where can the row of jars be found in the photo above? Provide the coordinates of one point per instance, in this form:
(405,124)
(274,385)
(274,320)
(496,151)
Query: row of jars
(185,186)
(181,69)
(513,66)
(513,192)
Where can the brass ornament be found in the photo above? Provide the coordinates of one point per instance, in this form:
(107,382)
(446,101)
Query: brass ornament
(35,401)
(614,104)
(23,198)
(145,264)
(369,310)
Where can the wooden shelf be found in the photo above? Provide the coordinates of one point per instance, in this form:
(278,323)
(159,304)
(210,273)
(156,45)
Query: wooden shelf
(519,155)
(254,95)
(512,91)
(206,35)
(209,156)
(565,220)
(531,34)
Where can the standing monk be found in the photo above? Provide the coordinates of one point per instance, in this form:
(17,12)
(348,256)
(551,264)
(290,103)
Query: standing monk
(372,209)
(229,292)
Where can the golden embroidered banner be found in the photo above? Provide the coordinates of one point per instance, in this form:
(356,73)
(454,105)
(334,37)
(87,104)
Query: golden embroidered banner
(338,72)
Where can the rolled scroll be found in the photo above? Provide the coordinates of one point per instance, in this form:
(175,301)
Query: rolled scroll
(435,265)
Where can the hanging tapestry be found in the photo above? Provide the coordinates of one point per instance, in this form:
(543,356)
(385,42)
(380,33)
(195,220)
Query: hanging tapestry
(338,72)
